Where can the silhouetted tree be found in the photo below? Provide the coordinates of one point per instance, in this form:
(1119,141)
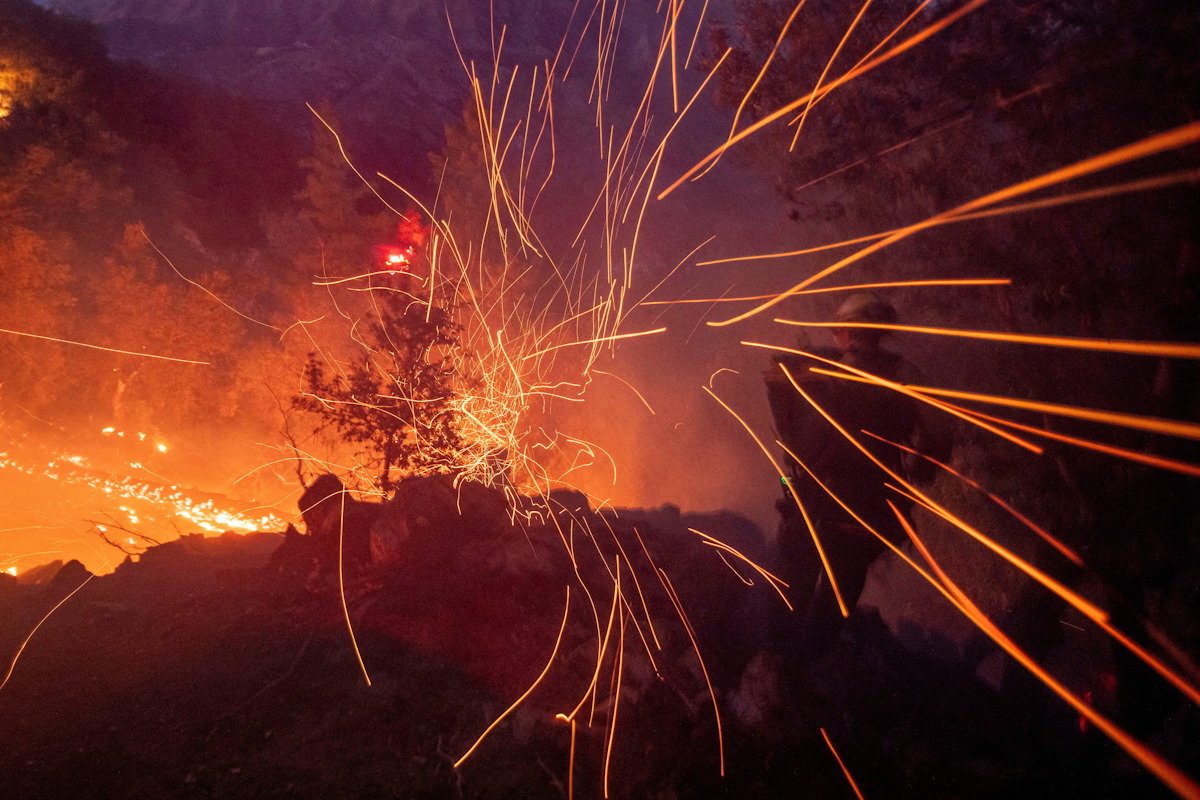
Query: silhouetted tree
(396,400)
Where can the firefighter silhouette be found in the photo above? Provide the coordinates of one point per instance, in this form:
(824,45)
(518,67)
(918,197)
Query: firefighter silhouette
(860,408)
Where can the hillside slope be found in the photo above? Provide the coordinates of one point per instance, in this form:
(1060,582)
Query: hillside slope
(208,669)
(389,68)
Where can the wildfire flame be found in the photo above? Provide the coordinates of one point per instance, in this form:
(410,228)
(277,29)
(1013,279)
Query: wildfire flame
(160,505)
(530,343)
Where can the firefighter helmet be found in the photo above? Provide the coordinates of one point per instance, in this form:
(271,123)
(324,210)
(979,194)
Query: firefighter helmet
(865,307)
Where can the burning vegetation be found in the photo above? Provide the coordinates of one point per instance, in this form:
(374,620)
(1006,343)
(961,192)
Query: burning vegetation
(413,371)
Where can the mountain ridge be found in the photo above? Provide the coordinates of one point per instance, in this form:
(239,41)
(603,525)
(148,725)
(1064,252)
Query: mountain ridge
(390,69)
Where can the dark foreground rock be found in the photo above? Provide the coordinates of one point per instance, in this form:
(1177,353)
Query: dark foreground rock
(209,668)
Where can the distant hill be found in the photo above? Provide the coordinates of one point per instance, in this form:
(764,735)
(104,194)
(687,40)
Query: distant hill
(162,148)
(390,69)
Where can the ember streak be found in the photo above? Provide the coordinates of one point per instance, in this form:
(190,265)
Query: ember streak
(540,312)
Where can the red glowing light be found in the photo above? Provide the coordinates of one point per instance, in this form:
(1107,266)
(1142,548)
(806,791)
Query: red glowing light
(397,258)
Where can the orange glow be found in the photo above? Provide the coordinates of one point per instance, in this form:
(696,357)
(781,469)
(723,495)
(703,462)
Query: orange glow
(17,80)
(163,500)
(396,258)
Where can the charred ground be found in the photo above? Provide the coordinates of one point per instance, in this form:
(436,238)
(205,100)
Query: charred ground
(208,669)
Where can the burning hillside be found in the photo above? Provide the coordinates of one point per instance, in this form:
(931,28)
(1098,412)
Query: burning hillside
(952,364)
(67,505)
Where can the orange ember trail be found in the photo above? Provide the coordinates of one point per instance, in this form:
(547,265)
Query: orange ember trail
(25,643)
(105,349)
(796,498)
(1165,771)
(1126,187)
(1179,137)
(529,691)
(905,390)
(1046,536)
(1087,608)
(858,287)
(858,70)
(842,764)
(1182,467)
(1160,349)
